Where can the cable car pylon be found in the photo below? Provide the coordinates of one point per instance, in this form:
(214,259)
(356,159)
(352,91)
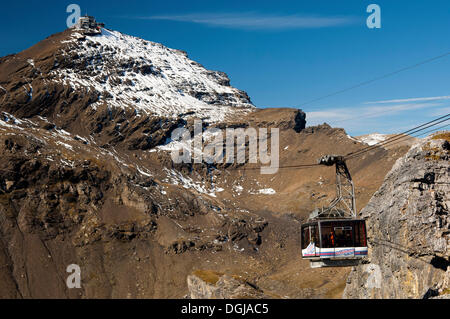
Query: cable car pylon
(333,235)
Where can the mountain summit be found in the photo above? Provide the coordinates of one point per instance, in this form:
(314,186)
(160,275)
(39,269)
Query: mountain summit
(121,71)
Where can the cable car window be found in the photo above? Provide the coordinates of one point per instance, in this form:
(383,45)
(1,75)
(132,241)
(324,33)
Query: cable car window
(357,233)
(305,237)
(344,236)
(362,232)
(314,234)
(359,229)
(309,234)
(327,235)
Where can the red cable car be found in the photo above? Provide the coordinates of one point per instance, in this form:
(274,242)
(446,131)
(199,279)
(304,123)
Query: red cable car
(334,236)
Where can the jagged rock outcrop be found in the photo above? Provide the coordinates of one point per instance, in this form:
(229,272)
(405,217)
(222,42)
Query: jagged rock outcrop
(204,284)
(408,228)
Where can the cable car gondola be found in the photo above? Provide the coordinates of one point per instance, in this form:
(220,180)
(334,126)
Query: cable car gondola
(333,236)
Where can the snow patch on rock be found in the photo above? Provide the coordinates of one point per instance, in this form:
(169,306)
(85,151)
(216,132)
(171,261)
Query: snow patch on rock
(372,139)
(131,72)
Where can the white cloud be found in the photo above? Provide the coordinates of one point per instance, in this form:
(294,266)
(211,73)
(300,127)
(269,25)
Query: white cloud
(380,117)
(338,115)
(377,115)
(399,107)
(419,99)
(330,114)
(258,21)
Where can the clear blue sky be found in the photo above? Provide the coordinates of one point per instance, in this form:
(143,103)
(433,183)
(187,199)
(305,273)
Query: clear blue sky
(284,53)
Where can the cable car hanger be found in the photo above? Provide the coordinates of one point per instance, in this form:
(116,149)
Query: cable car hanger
(344,205)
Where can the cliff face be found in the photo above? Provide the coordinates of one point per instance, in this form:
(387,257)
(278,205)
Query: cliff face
(408,229)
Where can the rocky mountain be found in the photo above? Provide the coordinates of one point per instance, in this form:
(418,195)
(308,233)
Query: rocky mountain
(119,71)
(409,228)
(87,178)
(213,285)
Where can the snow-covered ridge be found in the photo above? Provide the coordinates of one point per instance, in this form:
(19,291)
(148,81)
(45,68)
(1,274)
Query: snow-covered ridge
(372,139)
(132,72)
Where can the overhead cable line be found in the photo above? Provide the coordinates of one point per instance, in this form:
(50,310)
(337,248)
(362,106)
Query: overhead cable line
(433,130)
(410,131)
(300,166)
(400,136)
(397,138)
(376,79)
(406,137)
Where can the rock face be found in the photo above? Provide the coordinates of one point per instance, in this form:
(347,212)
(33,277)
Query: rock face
(213,285)
(408,228)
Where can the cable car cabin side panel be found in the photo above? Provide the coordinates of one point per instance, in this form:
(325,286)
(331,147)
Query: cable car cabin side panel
(334,239)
